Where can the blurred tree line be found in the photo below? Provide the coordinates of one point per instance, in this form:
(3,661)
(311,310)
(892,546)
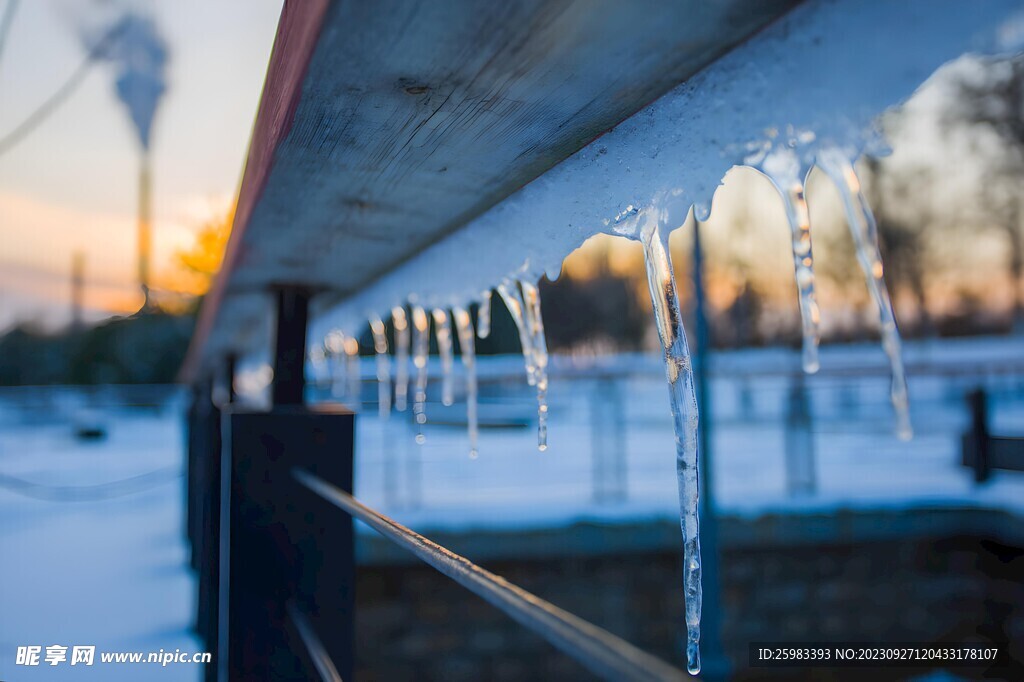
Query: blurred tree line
(147,348)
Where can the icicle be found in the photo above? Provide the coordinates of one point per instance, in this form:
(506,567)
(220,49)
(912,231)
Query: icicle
(321,372)
(483,315)
(864,231)
(783,169)
(513,298)
(334,343)
(352,373)
(380,347)
(401,323)
(443,332)
(679,371)
(803,262)
(420,349)
(535,325)
(464,328)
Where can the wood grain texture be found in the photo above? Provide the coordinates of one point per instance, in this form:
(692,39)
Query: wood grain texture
(415,116)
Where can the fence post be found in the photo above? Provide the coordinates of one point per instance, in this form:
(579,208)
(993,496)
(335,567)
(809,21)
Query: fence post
(289,383)
(608,442)
(978,435)
(279,542)
(716,665)
(801,477)
(204,506)
(193,518)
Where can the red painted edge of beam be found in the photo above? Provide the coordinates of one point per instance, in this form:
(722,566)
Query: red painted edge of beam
(294,43)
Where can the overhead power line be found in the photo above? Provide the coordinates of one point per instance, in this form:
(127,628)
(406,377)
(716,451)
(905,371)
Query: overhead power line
(53,102)
(5,23)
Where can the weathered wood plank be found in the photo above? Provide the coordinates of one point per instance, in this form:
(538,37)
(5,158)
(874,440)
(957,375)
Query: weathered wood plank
(415,116)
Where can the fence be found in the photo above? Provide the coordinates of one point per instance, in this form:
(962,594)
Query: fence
(276,593)
(276,562)
(277,567)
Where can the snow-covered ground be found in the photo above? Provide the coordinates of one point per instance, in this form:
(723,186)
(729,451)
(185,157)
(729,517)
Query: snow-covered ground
(612,416)
(113,571)
(106,572)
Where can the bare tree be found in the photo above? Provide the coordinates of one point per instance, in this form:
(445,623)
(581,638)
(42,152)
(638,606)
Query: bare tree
(993,98)
(902,240)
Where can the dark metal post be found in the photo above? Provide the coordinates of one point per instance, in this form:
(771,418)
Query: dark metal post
(290,352)
(230,367)
(280,544)
(286,544)
(979,433)
(193,520)
(715,664)
(204,505)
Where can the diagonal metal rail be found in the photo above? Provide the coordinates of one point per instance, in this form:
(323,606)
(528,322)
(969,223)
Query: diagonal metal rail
(314,647)
(604,654)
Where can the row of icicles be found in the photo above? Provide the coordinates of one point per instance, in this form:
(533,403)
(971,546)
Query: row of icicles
(412,329)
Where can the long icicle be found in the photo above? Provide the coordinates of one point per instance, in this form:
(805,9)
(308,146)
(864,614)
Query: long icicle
(791,190)
(483,315)
(321,371)
(535,325)
(443,333)
(352,373)
(334,343)
(513,298)
(380,348)
(864,231)
(401,323)
(420,349)
(679,370)
(464,328)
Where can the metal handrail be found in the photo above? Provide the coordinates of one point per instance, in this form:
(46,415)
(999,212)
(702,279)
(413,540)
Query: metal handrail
(603,653)
(314,647)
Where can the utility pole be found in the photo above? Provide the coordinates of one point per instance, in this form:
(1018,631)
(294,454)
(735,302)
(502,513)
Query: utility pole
(144,228)
(77,289)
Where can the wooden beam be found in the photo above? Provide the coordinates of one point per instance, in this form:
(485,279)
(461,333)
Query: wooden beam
(386,126)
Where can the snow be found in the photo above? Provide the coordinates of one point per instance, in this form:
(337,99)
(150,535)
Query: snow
(114,572)
(861,464)
(110,573)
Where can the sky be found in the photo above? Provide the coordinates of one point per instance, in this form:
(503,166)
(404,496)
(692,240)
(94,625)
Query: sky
(72,184)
